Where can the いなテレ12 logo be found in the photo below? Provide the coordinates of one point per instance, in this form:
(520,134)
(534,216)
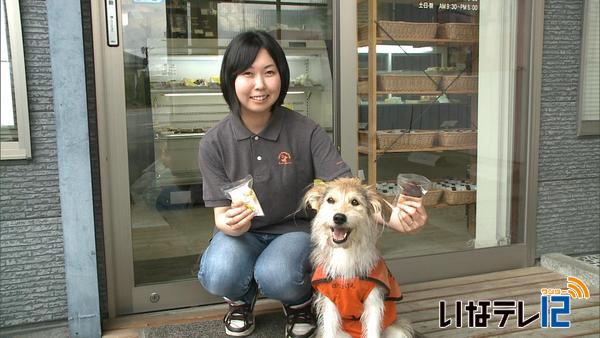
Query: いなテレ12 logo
(557,302)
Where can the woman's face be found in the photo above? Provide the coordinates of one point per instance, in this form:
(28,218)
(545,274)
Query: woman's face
(257,88)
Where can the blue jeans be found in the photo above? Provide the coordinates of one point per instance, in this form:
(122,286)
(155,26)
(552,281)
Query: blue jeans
(278,265)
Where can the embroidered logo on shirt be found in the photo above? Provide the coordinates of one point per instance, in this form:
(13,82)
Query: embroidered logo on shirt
(285,158)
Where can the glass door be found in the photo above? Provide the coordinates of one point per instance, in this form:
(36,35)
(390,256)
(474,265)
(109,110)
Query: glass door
(169,55)
(443,93)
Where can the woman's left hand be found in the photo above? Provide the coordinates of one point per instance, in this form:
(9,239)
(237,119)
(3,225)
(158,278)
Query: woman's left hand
(409,215)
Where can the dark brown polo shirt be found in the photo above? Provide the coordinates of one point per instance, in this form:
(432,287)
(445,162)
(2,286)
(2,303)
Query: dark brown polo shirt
(283,159)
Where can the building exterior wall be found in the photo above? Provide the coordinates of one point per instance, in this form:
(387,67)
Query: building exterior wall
(569,180)
(32,273)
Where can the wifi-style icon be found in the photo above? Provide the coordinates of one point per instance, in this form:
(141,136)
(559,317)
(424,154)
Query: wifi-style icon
(577,288)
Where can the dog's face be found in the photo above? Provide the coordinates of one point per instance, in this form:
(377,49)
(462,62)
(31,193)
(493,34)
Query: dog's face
(345,210)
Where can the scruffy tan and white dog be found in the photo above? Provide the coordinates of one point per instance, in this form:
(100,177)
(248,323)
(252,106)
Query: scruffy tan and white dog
(355,290)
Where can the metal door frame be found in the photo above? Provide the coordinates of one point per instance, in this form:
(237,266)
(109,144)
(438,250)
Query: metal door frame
(125,298)
(483,260)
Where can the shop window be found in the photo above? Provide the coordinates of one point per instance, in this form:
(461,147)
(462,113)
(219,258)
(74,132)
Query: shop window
(449,102)
(14,114)
(589,88)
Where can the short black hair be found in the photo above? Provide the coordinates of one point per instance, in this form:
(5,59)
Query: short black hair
(240,55)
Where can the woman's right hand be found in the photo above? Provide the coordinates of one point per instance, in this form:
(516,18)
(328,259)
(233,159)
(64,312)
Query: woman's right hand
(234,220)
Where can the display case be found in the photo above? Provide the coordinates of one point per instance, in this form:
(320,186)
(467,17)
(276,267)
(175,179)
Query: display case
(418,95)
(173,85)
(187,100)
(172,52)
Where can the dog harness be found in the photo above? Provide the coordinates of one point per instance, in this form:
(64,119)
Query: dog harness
(349,295)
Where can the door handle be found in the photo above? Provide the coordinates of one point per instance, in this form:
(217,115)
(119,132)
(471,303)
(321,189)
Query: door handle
(112,23)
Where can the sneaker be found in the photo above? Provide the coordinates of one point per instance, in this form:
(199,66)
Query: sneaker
(300,321)
(239,320)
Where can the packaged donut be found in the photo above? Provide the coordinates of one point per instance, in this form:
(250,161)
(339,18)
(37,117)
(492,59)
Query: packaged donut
(241,191)
(413,185)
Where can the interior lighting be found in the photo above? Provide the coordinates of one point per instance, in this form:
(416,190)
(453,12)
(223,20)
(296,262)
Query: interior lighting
(213,94)
(392,49)
(193,94)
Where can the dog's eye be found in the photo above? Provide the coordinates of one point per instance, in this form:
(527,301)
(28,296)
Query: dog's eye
(330,200)
(354,202)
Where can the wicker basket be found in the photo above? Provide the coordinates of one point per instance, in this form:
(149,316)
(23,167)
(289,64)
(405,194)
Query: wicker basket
(363,138)
(400,139)
(297,34)
(432,197)
(459,197)
(457,138)
(458,31)
(363,87)
(464,83)
(402,30)
(408,82)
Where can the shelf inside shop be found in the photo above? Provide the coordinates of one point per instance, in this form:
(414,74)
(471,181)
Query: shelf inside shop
(365,150)
(409,102)
(206,89)
(420,42)
(383,92)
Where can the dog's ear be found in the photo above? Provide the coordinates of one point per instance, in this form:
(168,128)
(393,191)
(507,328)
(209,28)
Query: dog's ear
(379,204)
(314,196)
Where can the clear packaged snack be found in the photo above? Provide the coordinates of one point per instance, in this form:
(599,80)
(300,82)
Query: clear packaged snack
(413,185)
(241,191)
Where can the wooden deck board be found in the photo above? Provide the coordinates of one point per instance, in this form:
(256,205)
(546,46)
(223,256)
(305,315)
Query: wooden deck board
(582,322)
(501,293)
(428,314)
(584,311)
(482,286)
(421,304)
(472,279)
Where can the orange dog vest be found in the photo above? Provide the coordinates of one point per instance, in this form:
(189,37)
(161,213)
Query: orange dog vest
(349,295)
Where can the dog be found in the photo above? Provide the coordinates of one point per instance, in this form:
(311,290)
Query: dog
(355,292)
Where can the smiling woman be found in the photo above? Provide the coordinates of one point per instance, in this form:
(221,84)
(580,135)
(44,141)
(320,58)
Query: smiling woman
(14,119)
(284,152)
(254,61)
(257,89)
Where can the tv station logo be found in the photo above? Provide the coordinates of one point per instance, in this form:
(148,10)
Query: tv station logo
(555,304)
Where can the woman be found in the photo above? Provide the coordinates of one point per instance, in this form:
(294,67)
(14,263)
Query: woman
(284,152)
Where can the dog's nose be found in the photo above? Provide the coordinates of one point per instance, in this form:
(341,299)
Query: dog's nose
(339,219)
